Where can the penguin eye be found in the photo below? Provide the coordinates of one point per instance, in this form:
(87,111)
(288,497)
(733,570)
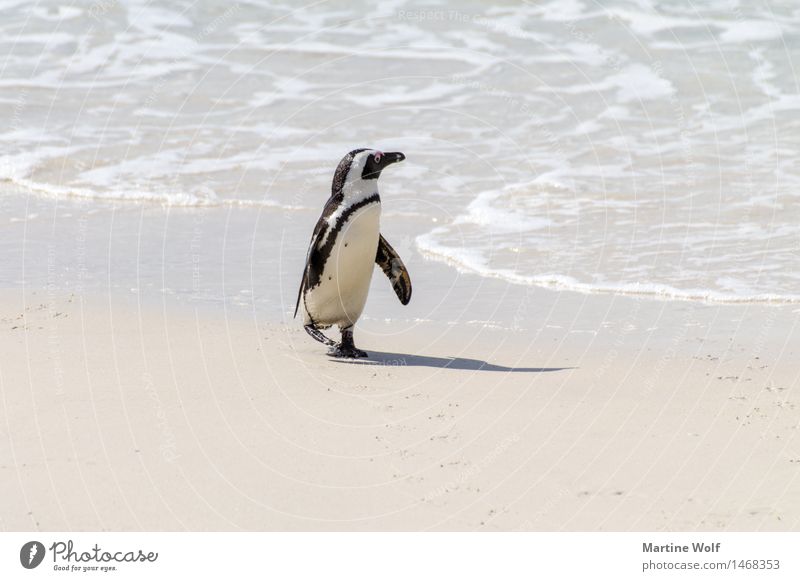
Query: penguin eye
(378,156)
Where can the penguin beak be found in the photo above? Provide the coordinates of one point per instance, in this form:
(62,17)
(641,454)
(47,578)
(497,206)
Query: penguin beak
(392,157)
(378,162)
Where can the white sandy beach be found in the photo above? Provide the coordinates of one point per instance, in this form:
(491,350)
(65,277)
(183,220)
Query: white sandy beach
(598,209)
(120,415)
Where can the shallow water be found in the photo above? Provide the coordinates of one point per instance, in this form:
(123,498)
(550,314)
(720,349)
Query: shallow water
(637,147)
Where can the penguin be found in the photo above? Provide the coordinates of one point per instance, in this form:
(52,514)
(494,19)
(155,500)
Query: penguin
(345,245)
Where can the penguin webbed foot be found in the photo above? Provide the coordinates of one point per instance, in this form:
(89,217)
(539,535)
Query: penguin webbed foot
(347,348)
(318,336)
(343,352)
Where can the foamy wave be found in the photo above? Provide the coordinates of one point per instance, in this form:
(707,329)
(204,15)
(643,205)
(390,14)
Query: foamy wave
(203,197)
(474,261)
(485,211)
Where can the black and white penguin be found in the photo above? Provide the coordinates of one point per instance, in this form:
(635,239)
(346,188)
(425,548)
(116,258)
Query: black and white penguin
(346,243)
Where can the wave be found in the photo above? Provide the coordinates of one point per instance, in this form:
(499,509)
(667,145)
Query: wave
(203,197)
(473,261)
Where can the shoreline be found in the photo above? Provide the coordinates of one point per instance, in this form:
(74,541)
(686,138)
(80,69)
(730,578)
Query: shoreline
(252,258)
(599,413)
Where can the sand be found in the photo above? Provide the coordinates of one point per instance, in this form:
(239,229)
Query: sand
(599,413)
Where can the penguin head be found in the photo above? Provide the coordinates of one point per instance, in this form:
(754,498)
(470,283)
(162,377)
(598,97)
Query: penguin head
(359,170)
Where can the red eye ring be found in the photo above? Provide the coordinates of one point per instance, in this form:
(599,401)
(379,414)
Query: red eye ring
(378,155)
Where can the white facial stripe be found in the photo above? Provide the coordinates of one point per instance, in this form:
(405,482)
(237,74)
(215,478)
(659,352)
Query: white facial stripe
(355,188)
(358,165)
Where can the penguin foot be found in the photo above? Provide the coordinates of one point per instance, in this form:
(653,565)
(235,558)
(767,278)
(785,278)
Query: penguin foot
(347,352)
(318,336)
(347,348)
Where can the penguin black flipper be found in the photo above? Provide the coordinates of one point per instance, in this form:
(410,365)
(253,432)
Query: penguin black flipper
(314,260)
(393,267)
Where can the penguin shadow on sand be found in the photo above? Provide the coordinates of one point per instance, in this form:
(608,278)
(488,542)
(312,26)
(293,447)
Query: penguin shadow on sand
(406,360)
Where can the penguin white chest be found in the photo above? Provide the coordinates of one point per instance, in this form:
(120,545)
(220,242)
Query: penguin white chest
(342,293)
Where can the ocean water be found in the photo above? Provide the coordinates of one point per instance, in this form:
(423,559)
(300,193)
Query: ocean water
(643,147)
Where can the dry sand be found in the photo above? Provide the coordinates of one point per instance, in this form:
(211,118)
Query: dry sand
(613,414)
